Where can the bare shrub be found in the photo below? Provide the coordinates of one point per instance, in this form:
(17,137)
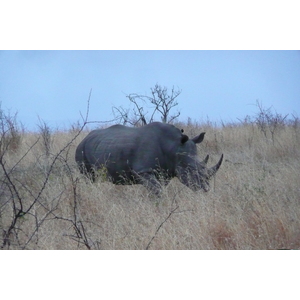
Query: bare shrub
(269,121)
(10,132)
(45,132)
(160,102)
(28,197)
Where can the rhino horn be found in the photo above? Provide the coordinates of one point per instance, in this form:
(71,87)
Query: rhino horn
(212,171)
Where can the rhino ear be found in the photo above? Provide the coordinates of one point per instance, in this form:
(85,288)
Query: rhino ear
(184,138)
(198,139)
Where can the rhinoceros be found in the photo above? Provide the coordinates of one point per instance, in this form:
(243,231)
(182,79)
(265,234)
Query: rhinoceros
(150,155)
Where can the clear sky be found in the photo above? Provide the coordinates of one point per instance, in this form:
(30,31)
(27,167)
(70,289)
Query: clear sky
(218,85)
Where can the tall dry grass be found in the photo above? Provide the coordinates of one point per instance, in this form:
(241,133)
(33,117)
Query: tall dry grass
(254,202)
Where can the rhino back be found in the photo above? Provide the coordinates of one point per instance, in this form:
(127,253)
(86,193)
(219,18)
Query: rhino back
(121,148)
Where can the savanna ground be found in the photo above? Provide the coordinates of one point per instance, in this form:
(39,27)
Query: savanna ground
(254,201)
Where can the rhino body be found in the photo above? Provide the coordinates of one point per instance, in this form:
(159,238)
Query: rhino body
(150,155)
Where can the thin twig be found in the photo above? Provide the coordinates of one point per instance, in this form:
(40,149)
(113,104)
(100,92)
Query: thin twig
(159,227)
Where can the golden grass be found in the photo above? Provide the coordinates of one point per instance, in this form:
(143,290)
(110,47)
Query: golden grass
(254,202)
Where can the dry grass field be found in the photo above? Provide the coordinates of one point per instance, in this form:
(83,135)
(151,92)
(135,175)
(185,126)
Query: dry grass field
(254,201)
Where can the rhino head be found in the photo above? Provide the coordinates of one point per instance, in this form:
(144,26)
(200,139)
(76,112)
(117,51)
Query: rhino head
(189,169)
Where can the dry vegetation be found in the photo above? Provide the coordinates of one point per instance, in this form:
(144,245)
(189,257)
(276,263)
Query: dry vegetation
(254,203)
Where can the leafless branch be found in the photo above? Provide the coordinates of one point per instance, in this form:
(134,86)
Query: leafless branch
(16,188)
(160,225)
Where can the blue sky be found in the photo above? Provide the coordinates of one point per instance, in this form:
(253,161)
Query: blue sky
(218,85)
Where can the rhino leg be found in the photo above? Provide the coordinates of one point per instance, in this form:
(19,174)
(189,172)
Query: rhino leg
(149,181)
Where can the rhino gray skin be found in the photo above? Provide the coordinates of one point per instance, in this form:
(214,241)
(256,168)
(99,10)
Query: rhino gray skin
(150,155)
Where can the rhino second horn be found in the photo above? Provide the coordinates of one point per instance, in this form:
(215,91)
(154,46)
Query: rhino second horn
(205,159)
(212,171)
